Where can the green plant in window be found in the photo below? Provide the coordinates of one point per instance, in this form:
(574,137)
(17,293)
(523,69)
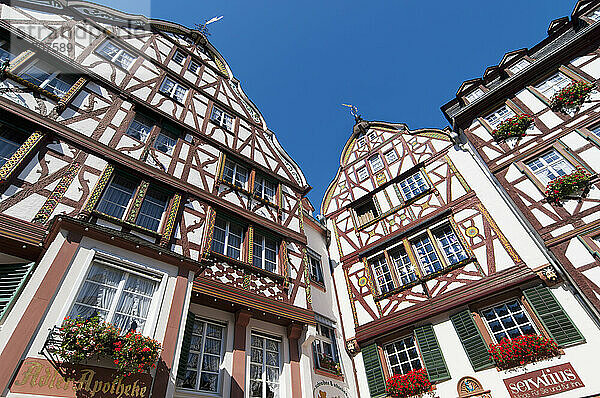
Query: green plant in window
(522,350)
(566,185)
(571,97)
(514,127)
(413,383)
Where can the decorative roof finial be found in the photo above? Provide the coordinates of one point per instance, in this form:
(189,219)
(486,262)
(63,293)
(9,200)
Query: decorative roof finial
(354,112)
(204,28)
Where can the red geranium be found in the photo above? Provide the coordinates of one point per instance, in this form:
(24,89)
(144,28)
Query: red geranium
(572,96)
(513,127)
(561,187)
(413,383)
(522,350)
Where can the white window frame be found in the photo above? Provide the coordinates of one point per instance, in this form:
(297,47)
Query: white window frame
(416,344)
(181,55)
(405,181)
(263,246)
(540,158)
(375,264)
(391,156)
(321,339)
(550,86)
(222,118)
(376,163)
(594,15)
(280,341)
(118,55)
(362,173)
(519,66)
(313,257)
(523,309)
(193,66)
(236,172)
(499,115)
(171,93)
(262,182)
(129,266)
(474,95)
(52,76)
(226,242)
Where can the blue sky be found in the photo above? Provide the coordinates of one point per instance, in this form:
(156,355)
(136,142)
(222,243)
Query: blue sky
(397,60)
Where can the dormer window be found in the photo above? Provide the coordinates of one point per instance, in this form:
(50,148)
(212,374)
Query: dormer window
(366,212)
(474,95)
(495,118)
(115,54)
(376,163)
(222,118)
(594,15)
(519,66)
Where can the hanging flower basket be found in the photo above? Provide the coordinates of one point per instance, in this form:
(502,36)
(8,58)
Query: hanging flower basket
(522,350)
(561,187)
(84,339)
(571,97)
(413,383)
(514,127)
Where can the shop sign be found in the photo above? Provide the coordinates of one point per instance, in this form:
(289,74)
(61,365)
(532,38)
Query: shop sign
(329,389)
(38,377)
(544,382)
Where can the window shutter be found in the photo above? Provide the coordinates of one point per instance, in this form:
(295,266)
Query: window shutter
(375,379)
(185,345)
(553,317)
(12,279)
(431,353)
(471,339)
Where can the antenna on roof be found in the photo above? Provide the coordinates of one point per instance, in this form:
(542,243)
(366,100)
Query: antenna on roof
(353,111)
(204,28)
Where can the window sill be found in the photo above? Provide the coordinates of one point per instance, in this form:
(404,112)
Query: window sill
(249,267)
(247,192)
(395,209)
(424,279)
(219,125)
(328,373)
(126,224)
(188,392)
(166,95)
(318,285)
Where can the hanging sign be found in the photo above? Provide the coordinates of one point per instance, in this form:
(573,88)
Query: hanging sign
(544,382)
(38,377)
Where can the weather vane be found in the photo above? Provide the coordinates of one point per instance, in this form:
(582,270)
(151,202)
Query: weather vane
(204,28)
(353,111)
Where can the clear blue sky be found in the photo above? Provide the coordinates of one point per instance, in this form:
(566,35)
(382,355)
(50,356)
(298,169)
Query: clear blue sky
(397,60)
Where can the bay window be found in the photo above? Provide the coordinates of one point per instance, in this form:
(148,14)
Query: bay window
(206,350)
(116,294)
(414,258)
(507,320)
(172,89)
(115,54)
(265,359)
(264,253)
(403,356)
(549,166)
(227,239)
(413,186)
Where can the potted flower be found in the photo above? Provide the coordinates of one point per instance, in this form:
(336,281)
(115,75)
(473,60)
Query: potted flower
(571,97)
(413,383)
(566,185)
(514,127)
(511,353)
(135,353)
(329,364)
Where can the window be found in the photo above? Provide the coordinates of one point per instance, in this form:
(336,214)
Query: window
(265,189)
(372,136)
(549,166)
(413,186)
(553,84)
(596,130)
(376,163)
(115,54)
(179,57)
(316,272)
(264,253)
(390,156)
(497,117)
(227,238)
(140,127)
(594,15)
(519,66)
(167,138)
(117,295)
(264,366)
(361,140)
(221,118)
(6,50)
(362,173)
(205,355)
(10,141)
(474,95)
(174,90)
(434,249)
(325,350)
(402,356)
(46,77)
(193,66)
(507,320)
(366,212)
(118,197)
(235,174)
(383,275)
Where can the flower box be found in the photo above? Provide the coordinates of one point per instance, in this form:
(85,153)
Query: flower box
(328,364)
(522,350)
(413,383)
(514,127)
(561,187)
(84,339)
(571,97)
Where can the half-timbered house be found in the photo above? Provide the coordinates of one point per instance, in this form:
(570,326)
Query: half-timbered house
(140,184)
(436,267)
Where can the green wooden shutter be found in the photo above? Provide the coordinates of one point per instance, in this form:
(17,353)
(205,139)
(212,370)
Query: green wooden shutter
(185,345)
(12,279)
(374,373)
(431,353)
(553,317)
(472,341)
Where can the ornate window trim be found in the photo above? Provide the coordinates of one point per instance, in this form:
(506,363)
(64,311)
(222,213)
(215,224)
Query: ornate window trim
(20,156)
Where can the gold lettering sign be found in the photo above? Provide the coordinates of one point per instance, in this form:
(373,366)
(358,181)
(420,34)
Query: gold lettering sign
(37,376)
